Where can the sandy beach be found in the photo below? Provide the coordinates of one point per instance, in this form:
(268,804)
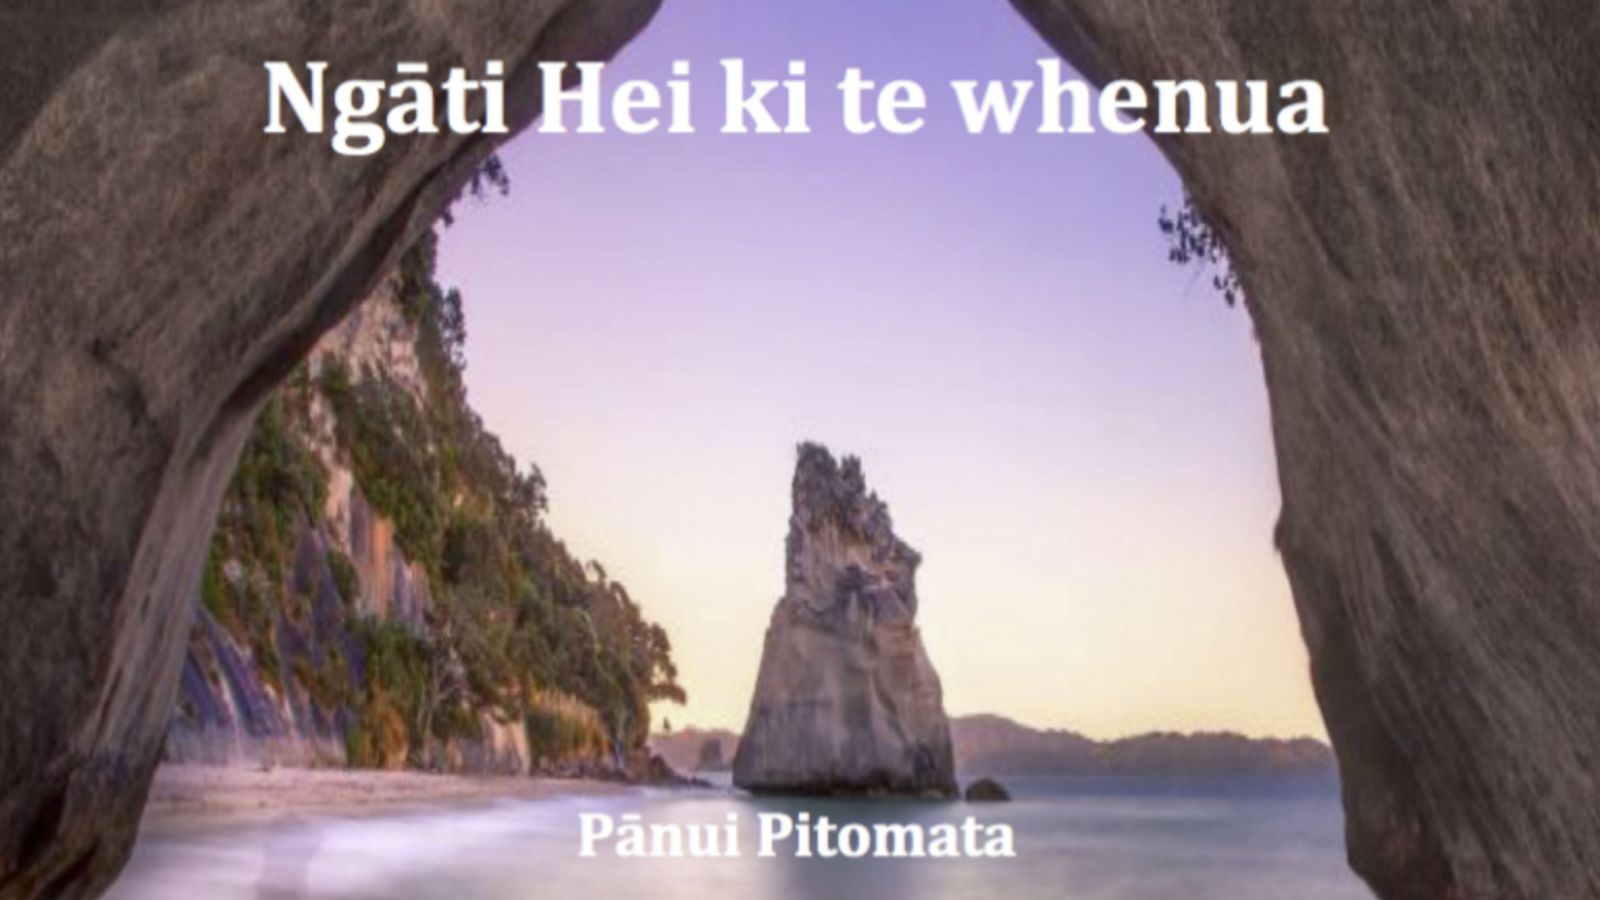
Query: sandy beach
(204,795)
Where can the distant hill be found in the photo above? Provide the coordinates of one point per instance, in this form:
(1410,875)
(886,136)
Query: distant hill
(995,745)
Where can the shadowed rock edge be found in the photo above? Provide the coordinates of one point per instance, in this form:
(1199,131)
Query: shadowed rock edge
(164,266)
(1423,283)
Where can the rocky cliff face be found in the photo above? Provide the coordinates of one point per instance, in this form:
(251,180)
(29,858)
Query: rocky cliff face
(1424,285)
(1422,280)
(238,705)
(846,700)
(162,268)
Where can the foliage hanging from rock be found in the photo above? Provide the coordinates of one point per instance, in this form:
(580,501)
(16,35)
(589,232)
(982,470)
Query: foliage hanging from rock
(511,626)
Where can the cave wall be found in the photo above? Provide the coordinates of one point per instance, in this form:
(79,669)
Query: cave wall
(163,265)
(1425,287)
(1423,282)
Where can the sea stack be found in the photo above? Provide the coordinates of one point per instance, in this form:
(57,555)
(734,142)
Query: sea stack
(847,701)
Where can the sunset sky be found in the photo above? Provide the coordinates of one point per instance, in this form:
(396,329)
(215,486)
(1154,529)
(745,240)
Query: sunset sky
(1071,430)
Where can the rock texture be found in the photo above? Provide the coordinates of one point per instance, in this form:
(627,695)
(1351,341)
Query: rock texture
(162,266)
(231,711)
(1423,282)
(987,790)
(228,713)
(846,701)
(1425,286)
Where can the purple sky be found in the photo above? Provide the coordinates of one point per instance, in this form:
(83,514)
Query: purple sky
(1072,430)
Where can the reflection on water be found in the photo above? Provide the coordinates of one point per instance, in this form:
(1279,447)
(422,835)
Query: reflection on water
(1095,839)
(287,852)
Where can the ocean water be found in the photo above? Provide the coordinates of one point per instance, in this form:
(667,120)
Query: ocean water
(1083,838)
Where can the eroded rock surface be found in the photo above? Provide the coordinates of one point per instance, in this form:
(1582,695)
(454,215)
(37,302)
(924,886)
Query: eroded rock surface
(846,701)
(163,264)
(1425,286)
(1424,283)
(296,708)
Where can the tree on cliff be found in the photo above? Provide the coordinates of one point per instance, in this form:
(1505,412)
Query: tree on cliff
(490,175)
(512,616)
(526,614)
(1194,241)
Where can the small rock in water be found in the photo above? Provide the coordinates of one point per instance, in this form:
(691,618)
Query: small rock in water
(987,790)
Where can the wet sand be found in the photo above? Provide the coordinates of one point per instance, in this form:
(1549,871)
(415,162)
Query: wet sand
(184,796)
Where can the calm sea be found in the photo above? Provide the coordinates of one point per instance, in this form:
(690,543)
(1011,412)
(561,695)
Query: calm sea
(1083,838)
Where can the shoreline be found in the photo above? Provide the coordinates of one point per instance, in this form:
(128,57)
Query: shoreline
(189,795)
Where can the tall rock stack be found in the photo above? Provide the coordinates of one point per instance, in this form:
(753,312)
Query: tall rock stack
(846,701)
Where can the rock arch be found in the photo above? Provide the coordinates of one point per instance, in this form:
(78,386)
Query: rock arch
(1424,282)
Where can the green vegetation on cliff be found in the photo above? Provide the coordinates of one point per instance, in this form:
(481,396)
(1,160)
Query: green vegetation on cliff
(278,487)
(515,626)
(1191,240)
